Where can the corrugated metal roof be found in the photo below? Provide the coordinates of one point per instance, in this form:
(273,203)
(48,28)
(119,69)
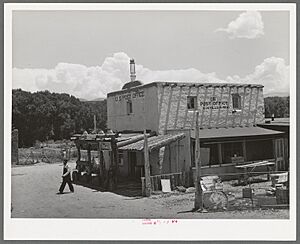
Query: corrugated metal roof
(214,133)
(153,142)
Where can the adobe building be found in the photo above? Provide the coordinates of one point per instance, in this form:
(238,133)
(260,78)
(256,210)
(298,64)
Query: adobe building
(228,119)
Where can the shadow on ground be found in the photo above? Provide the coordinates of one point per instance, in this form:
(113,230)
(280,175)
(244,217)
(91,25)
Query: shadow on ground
(124,188)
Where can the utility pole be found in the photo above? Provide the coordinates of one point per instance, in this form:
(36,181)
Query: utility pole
(147,166)
(146,157)
(198,206)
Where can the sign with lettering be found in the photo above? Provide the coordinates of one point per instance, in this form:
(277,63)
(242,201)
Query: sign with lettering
(105,146)
(213,103)
(129,96)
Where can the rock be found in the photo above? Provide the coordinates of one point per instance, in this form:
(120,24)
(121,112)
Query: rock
(191,190)
(181,188)
(270,193)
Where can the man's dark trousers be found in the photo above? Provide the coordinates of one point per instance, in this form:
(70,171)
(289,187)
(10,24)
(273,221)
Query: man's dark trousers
(66,179)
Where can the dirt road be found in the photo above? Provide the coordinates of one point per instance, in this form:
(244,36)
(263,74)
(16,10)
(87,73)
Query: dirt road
(34,195)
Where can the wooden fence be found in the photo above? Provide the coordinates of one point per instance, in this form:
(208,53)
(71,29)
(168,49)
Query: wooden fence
(176,179)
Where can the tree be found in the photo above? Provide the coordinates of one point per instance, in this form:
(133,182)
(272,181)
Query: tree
(45,115)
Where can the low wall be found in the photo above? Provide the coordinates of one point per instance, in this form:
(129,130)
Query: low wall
(15,146)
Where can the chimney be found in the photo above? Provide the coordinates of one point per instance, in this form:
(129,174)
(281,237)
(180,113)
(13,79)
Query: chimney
(132,70)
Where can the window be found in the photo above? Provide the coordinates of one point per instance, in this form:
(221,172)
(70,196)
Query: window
(192,102)
(231,149)
(208,155)
(259,150)
(236,101)
(129,107)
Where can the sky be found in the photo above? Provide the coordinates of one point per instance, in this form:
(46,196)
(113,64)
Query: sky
(86,53)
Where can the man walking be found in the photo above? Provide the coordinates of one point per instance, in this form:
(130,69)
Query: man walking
(66,175)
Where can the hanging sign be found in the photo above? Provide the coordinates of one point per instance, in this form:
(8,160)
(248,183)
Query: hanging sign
(105,146)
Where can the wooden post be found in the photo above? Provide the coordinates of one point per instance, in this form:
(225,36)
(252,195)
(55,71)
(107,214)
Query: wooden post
(78,152)
(95,124)
(115,162)
(198,194)
(147,167)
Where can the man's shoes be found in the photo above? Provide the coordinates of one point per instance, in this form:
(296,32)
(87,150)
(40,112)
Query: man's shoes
(59,193)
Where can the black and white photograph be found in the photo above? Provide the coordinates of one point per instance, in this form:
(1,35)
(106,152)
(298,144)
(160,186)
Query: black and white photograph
(150,118)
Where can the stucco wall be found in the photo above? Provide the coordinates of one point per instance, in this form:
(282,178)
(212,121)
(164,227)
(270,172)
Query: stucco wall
(174,114)
(144,102)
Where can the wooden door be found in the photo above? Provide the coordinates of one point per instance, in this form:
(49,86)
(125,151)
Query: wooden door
(132,164)
(279,153)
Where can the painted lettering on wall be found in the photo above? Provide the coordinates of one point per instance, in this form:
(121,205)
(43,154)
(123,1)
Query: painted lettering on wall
(129,96)
(213,103)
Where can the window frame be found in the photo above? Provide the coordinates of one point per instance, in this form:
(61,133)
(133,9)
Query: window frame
(189,102)
(237,106)
(129,107)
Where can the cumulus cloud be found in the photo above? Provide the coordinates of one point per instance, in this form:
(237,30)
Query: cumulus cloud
(248,25)
(96,81)
(273,73)
(78,80)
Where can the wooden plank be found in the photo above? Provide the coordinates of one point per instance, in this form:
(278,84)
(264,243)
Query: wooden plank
(228,104)
(172,182)
(177,109)
(256,103)
(234,115)
(220,153)
(177,156)
(168,110)
(243,107)
(219,111)
(244,150)
(204,100)
(143,186)
(198,193)
(211,110)
(193,120)
(186,108)
(155,183)
(249,110)
(152,183)
(160,103)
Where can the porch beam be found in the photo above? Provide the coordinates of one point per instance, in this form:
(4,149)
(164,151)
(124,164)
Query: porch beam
(220,106)
(168,110)
(243,106)
(211,109)
(202,112)
(228,105)
(249,110)
(220,153)
(244,150)
(186,108)
(177,109)
(147,186)
(196,108)
(256,103)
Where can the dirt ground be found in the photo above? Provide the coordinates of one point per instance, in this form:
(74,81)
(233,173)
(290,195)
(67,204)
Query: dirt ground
(34,195)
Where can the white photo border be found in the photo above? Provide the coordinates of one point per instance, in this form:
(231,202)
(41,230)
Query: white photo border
(132,229)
